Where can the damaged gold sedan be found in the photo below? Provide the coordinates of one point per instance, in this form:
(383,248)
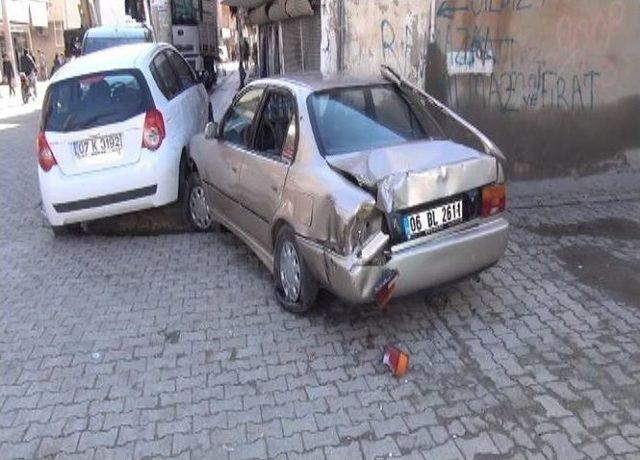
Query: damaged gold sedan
(351,185)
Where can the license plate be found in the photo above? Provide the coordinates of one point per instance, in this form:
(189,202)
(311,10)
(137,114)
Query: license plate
(98,145)
(433,219)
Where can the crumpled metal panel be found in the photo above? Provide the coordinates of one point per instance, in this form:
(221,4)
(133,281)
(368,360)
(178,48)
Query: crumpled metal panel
(489,146)
(418,172)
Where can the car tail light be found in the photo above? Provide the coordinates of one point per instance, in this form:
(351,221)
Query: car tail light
(153,132)
(45,155)
(386,286)
(494,199)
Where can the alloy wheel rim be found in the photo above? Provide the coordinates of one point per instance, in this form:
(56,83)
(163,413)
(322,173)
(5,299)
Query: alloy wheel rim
(290,271)
(198,208)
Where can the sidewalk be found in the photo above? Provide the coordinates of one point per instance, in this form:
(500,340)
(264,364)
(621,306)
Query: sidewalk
(223,93)
(11,106)
(604,187)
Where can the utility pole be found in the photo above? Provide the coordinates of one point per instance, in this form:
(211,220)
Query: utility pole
(7,38)
(241,69)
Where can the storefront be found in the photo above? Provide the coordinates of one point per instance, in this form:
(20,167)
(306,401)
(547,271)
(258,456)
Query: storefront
(289,34)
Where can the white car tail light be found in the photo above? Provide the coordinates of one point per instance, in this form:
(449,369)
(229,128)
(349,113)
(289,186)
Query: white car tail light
(153,132)
(45,155)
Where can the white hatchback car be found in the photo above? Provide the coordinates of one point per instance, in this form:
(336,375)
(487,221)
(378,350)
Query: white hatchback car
(114,135)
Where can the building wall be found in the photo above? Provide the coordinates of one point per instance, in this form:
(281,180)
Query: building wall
(553,82)
(49,40)
(386,31)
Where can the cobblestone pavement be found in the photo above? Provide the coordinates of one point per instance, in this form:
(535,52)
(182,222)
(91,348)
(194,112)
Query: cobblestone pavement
(173,346)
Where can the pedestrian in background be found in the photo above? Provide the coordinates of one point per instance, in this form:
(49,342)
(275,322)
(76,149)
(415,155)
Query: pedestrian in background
(57,63)
(28,67)
(42,66)
(7,70)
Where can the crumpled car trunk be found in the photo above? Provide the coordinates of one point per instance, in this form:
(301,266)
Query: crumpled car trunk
(410,174)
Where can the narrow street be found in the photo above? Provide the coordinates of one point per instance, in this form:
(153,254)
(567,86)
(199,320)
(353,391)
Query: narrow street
(173,345)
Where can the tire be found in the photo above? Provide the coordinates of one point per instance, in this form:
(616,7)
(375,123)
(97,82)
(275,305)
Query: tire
(295,298)
(196,210)
(62,230)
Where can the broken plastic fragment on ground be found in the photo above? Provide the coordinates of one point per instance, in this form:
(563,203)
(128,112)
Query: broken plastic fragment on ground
(396,359)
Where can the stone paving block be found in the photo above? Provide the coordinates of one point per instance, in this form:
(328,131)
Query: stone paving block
(264,430)
(351,451)
(313,440)
(276,446)
(20,449)
(254,450)
(90,439)
(155,448)
(477,446)
(298,425)
(620,446)
(383,447)
(415,441)
(58,445)
(561,446)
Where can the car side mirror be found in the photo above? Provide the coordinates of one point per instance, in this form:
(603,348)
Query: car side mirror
(211,130)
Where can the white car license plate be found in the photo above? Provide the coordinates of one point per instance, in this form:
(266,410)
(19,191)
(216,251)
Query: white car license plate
(98,145)
(433,219)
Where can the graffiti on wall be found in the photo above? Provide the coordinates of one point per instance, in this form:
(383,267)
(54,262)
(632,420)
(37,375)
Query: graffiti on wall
(509,69)
(403,50)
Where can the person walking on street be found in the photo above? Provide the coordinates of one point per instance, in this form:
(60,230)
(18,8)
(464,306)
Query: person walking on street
(57,63)
(7,71)
(42,66)
(28,67)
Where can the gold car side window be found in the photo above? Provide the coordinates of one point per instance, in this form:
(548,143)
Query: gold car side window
(276,132)
(236,127)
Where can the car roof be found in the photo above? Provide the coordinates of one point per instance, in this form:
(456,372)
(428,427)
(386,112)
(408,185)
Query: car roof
(117,57)
(125,30)
(316,81)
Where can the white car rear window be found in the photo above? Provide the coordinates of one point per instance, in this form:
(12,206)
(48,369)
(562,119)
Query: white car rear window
(94,100)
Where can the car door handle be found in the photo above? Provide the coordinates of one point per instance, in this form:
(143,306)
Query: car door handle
(274,188)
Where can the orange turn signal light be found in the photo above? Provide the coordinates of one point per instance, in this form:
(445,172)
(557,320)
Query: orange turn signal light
(396,359)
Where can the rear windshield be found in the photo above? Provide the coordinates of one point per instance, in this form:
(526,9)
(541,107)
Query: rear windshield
(367,117)
(92,44)
(94,100)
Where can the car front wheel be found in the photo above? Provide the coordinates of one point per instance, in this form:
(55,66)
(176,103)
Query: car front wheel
(196,209)
(296,290)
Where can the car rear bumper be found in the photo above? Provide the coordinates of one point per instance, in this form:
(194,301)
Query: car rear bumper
(67,199)
(419,264)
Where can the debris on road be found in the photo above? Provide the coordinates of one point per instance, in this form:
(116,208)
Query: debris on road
(396,359)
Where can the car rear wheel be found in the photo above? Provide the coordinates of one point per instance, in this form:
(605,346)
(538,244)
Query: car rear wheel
(196,209)
(296,290)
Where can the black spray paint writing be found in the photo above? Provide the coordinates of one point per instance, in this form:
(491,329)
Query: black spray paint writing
(513,90)
(389,47)
(449,8)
